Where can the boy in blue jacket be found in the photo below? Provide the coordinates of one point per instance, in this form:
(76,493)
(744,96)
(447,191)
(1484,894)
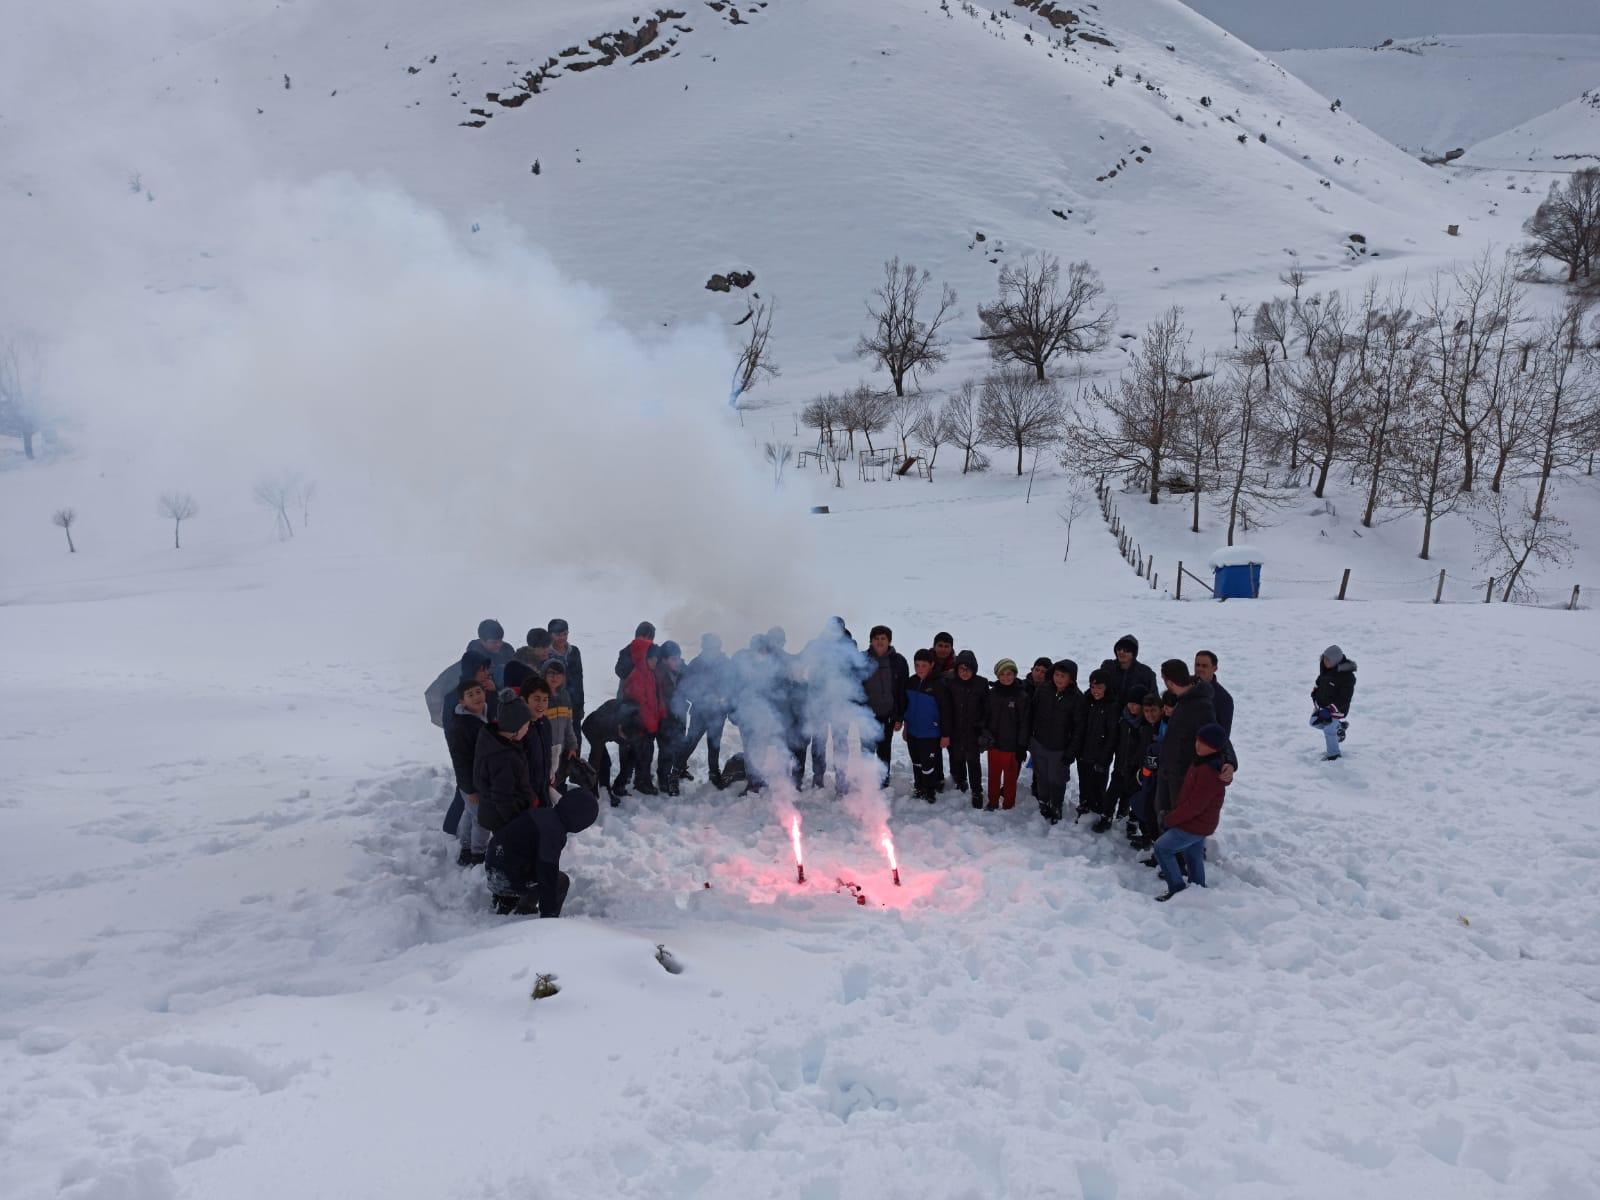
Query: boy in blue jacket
(927,725)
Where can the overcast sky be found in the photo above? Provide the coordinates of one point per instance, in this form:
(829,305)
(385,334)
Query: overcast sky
(1292,24)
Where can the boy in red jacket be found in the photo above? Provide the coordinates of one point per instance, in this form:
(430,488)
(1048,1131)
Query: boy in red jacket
(1194,817)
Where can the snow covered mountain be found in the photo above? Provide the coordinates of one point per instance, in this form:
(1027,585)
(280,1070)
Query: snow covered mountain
(1447,92)
(1566,138)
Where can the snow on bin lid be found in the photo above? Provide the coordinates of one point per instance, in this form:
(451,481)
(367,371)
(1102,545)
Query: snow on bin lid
(1235,556)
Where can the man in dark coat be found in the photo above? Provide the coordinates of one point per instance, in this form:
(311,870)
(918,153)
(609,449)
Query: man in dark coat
(885,686)
(1129,757)
(616,722)
(500,774)
(674,717)
(524,861)
(1205,670)
(969,719)
(469,719)
(1335,688)
(1097,745)
(561,647)
(705,687)
(1053,723)
(624,666)
(1124,671)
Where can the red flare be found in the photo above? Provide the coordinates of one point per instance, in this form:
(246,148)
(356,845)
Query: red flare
(799,856)
(894,865)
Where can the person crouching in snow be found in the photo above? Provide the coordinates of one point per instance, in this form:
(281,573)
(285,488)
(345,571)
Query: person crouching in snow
(1194,817)
(927,719)
(524,861)
(1336,685)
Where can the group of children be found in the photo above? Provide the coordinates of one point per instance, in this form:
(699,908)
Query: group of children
(1158,757)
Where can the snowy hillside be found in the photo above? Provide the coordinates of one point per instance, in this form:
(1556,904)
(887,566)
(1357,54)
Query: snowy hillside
(1452,91)
(1566,138)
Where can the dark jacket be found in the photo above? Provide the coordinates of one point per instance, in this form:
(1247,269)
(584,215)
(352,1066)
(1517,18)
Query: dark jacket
(574,660)
(1222,701)
(1097,731)
(525,855)
(1131,742)
(541,759)
(1054,718)
(1008,718)
(461,735)
(706,683)
(1199,803)
(1335,688)
(969,711)
(886,685)
(673,707)
(497,662)
(927,708)
(613,721)
(1193,709)
(1119,681)
(501,779)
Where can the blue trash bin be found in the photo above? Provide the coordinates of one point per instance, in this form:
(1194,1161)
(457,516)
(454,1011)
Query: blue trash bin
(1237,581)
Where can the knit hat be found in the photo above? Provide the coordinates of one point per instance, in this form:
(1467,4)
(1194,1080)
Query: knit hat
(923,655)
(670,650)
(1212,735)
(1127,642)
(645,630)
(969,660)
(513,715)
(577,810)
(491,630)
(1067,666)
(1004,665)
(516,674)
(1098,676)
(538,638)
(1045,661)
(1333,656)
(557,625)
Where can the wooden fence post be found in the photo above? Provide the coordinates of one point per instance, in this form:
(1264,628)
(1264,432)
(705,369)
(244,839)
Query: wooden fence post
(1344,583)
(1488,592)
(1179,596)
(1150,569)
(1573,603)
(1438,592)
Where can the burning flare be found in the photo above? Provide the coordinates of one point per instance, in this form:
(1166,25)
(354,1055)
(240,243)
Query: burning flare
(888,848)
(799,856)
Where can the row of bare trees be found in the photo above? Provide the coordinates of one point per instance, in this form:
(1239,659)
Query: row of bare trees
(279,494)
(1429,404)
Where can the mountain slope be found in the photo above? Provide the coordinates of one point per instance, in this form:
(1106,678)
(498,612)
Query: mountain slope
(1564,139)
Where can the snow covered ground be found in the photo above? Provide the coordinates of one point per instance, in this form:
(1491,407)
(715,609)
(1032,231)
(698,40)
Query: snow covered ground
(1453,90)
(1567,138)
(236,958)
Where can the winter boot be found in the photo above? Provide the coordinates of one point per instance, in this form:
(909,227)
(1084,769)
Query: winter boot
(1103,824)
(646,788)
(1170,893)
(1344,728)
(717,781)
(977,799)
(468,859)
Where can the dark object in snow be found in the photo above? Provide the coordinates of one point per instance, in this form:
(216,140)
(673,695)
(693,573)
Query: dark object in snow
(1453,230)
(819,510)
(668,962)
(854,889)
(545,986)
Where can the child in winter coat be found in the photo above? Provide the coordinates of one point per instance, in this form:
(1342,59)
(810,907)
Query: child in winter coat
(1097,745)
(1129,756)
(563,720)
(1053,723)
(1335,687)
(927,718)
(1149,753)
(616,722)
(1007,734)
(1194,817)
(469,719)
(969,718)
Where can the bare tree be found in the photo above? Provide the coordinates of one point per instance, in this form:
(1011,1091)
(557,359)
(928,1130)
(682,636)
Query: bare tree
(20,372)
(904,413)
(1395,366)
(1429,479)
(1077,501)
(904,335)
(822,414)
(177,507)
(1293,277)
(1038,315)
(1272,323)
(305,491)
(964,427)
(1246,400)
(1514,540)
(1018,410)
(932,430)
(1238,311)
(779,455)
(1566,226)
(274,494)
(1200,429)
(1128,429)
(755,362)
(62,520)
(1326,385)
(866,411)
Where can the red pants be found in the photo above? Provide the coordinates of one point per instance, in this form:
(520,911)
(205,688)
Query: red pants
(1003,767)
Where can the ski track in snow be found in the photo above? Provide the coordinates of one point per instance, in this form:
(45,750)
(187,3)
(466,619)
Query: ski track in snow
(1019,1019)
